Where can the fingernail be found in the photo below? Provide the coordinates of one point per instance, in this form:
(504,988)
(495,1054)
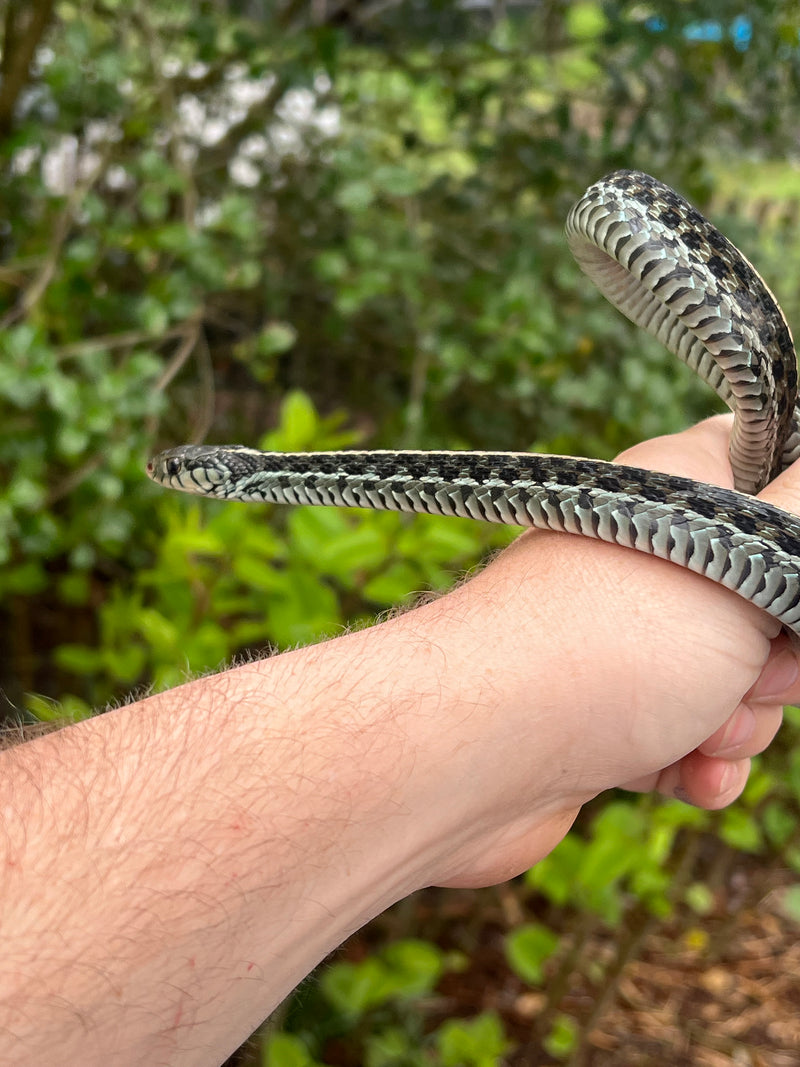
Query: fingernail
(728,778)
(740,730)
(777,676)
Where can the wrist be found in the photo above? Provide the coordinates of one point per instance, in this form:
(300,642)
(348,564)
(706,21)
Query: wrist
(577,687)
(484,752)
(440,744)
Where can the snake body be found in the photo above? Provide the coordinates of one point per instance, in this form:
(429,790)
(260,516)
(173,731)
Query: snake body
(669,270)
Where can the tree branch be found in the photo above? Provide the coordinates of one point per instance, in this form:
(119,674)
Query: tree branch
(25,24)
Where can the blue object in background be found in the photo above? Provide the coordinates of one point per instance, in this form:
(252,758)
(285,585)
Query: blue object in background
(740,30)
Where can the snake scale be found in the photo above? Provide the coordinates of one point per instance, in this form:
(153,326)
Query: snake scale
(659,261)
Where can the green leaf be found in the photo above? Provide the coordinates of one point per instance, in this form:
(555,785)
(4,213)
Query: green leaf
(70,709)
(285,1050)
(392,585)
(415,966)
(331,265)
(152,315)
(305,610)
(26,578)
(358,548)
(356,196)
(276,337)
(563,1037)
(298,424)
(404,970)
(779,822)
(78,658)
(156,628)
(124,664)
(478,1042)
(557,874)
(740,829)
(790,903)
(528,948)
(312,529)
(396,180)
(259,574)
(394,1047)
(354,988)
(700,898)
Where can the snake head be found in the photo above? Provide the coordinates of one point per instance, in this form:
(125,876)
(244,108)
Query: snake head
(188,468)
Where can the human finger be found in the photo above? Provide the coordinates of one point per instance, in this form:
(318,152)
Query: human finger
(705,781)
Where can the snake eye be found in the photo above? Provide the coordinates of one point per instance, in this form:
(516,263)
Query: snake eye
(173,467)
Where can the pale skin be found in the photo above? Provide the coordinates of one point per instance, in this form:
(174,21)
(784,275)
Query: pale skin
(174,868)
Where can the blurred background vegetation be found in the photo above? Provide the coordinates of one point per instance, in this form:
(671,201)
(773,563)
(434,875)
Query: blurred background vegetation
(316,223)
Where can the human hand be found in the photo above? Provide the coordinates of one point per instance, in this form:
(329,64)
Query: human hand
(619,669)
(715,773)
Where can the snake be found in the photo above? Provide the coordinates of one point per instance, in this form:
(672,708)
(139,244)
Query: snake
(670,271)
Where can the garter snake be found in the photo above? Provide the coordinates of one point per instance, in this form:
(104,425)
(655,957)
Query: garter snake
(658,260)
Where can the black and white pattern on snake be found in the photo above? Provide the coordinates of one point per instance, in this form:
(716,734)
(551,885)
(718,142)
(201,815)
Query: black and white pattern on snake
(668,269)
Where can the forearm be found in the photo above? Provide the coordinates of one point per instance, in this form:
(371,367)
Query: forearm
(173,868)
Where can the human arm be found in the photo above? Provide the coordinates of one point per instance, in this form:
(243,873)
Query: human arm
(173,868)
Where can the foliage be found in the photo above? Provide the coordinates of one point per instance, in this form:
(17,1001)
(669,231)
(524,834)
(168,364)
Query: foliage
(377,1003)
(405,969)
(227,578)
(627,853)
(284,1050)
(527,948)
(480,1042)
(309,225)
(562,1038)
(232,208)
